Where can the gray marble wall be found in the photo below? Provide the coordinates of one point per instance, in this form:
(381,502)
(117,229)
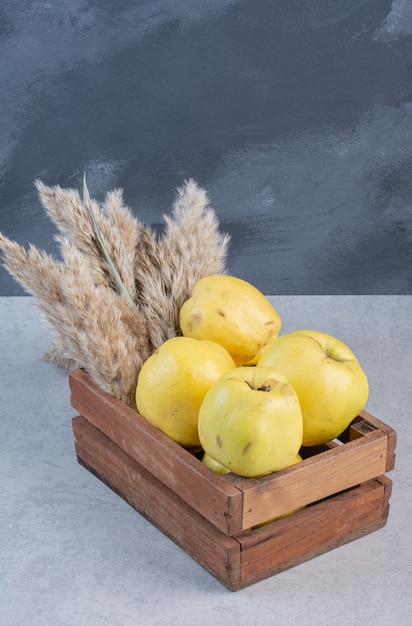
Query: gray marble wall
(296,116)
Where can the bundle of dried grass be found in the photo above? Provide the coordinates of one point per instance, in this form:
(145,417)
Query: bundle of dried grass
(191,247)
(116,293)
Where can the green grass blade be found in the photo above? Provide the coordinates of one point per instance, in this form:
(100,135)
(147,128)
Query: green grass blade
(113,270)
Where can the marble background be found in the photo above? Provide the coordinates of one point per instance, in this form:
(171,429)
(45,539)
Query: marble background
(295,116)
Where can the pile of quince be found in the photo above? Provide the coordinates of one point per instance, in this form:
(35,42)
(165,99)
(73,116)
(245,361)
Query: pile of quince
(249,398)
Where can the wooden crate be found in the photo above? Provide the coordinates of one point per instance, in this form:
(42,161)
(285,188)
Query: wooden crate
(214,518)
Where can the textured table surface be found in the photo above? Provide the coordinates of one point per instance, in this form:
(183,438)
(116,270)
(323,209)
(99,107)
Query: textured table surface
(73,553)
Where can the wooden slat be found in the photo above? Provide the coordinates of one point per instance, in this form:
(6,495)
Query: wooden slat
(251,556)
(311,480)
(212,549)
(315,530)
(389,432)
(209,494)
(233,503)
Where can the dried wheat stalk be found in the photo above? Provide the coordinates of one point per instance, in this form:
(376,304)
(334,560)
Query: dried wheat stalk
(115,295)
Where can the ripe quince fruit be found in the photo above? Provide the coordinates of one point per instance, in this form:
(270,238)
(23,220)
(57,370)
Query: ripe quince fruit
(250,421)
(215,466)
(173,382)
(233,313)
(330,383)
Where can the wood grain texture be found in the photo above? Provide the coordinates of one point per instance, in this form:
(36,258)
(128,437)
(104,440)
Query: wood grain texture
(234,503)
(315,530)
(250,556)
(367,422)
(317,477)
(214,550)
(205,491)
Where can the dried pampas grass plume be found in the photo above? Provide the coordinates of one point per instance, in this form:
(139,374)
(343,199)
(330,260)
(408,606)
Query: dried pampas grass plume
(166,271)
(116,293)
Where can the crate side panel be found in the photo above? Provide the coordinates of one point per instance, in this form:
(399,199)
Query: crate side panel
(251,556)
(313,479)
(390,434)
(216,499)
(333,522)
(212,549)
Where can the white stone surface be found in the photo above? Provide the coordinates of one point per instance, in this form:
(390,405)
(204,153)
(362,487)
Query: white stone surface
(72,553)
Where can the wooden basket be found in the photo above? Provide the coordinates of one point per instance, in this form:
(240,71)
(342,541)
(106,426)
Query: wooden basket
(216,519)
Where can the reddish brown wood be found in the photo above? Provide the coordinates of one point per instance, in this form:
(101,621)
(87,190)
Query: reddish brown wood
(317,477)
(315,530)
(366,419)
(249,556)
(215,551)
(205,491)
(233,503)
